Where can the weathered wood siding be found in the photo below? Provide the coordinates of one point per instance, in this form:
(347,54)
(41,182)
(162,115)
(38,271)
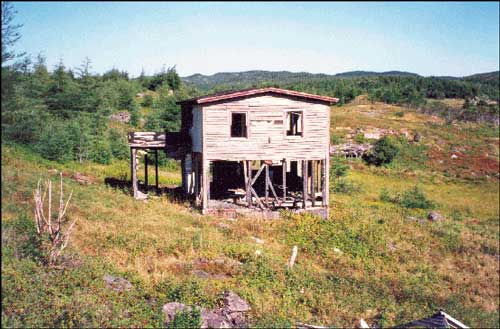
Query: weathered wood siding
(267,138)
(196,129)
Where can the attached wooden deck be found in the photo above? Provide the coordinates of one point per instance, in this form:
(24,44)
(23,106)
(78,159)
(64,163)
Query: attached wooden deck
(147,140)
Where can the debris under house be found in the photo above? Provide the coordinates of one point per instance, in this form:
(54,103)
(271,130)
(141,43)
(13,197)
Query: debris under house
(258,149)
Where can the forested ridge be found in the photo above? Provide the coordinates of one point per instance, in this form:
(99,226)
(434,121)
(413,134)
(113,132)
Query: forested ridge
(62,112)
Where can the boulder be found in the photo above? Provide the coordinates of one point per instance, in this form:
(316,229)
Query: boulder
(116,283)
(120,117)
(434,216)
(215,319)
(234,303)
(171,309)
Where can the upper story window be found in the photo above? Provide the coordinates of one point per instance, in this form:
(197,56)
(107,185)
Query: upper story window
(239,124)
(294,123)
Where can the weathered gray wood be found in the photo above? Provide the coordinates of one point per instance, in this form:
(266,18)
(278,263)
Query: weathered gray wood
(271,187)
(313,178)
(257,199)
(249,183)
(134,172)
(266,130)
(291,262)
(266,193)
(304,184)
(284,178)
(323,182)
(156,169)
(254,179)
(146,172)
(204,184)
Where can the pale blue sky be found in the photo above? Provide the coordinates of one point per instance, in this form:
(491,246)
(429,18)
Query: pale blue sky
(199,37)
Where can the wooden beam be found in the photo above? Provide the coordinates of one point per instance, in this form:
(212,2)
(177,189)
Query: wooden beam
(146,171)
(258,173)
(304,184)
(133,160)
(249,183)
(204,184)
(271,187)
(156,170)
(323,182)
(257,198)
(266,193)
(313,177)
(284,178)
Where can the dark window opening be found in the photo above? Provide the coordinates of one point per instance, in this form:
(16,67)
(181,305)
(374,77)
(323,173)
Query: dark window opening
(238,125)
(294,123)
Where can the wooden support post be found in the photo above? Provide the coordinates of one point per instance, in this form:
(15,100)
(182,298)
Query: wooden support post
(323,182)
(304,184)
(266,194)
(284,179)
(133,160)
(204,185)
(313,177)
(146,171)
(197,180)
(249,183)
(156,170)
(326,188)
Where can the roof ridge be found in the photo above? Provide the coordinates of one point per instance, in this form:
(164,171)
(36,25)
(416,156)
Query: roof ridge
(255,91)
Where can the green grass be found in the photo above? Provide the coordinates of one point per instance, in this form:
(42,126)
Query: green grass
(369,260)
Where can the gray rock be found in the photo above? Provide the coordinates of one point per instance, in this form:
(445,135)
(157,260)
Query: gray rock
(234,303)
(201,274)
(237,319)
(214,319)
(171,309)
(116,283)
(120,117)
(434,216)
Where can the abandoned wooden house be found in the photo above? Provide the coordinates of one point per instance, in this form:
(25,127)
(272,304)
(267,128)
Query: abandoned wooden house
(264,149)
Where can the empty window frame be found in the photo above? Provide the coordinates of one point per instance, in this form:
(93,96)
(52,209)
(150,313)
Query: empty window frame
(239,124)
(294,123)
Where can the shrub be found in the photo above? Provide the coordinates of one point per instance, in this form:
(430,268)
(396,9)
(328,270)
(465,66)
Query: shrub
(345,186)
(415,198)
(412,198)
(101,151)
(186,319)
(399,114)
(118,144)
(360,138)
(55,143)
(383,151)
(147,101)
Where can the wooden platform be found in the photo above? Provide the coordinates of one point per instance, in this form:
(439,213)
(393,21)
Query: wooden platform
(147,140)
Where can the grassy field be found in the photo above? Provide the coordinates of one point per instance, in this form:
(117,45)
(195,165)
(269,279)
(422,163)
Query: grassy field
(372,259)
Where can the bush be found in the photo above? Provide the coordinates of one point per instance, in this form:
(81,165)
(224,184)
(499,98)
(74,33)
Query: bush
(345,186)
(118,144)
(147,101)
(383,151)
(55,143)
(412,198)
(360,138)
(101,151)
(186,319)
(415,198)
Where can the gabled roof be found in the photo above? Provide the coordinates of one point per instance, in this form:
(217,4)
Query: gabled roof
(233,94)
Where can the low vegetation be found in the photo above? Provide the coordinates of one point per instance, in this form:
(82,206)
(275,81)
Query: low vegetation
(377,257)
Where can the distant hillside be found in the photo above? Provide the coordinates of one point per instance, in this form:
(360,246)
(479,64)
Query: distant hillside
(484,77)
(255,77)
(359,74)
